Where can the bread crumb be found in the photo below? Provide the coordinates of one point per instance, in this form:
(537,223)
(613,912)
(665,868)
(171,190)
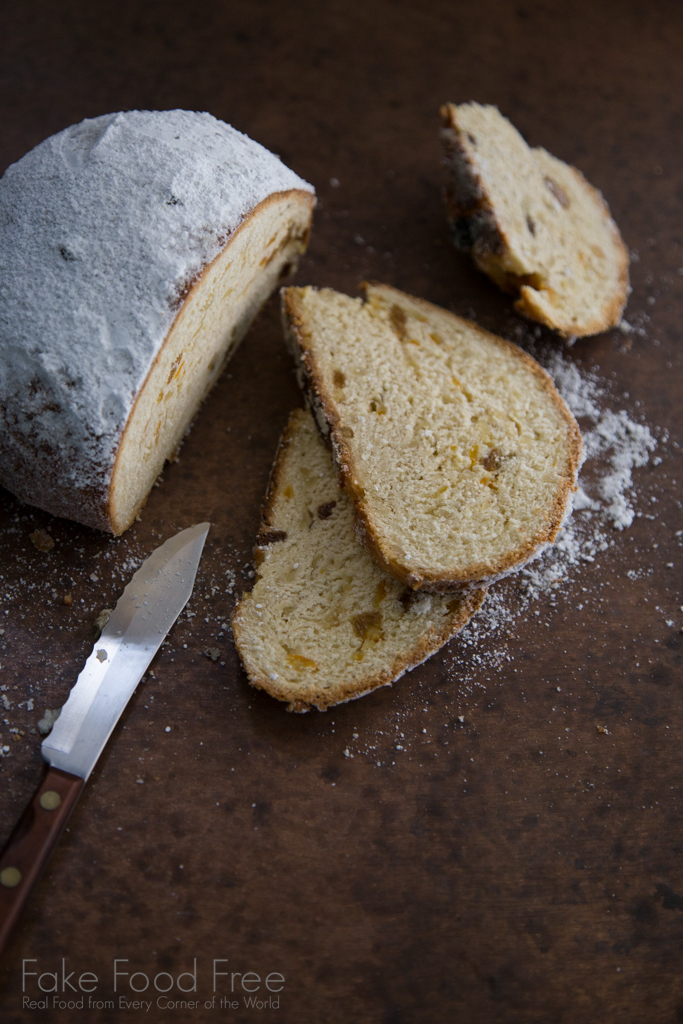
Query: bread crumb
(102,619)
(42,540)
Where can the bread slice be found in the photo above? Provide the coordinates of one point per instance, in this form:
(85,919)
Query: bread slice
(324,623)
(456,448)
(135,250)
(533,224)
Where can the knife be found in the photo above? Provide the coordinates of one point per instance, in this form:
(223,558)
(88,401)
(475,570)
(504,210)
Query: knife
(144,613)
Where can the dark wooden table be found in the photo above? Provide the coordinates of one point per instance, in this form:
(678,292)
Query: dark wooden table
(383,887)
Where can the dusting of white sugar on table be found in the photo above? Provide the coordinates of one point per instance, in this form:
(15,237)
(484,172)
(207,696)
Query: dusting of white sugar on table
(614,438)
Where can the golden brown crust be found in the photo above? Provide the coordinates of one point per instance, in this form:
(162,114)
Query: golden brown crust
(105,519)
(477,229)
(323,407)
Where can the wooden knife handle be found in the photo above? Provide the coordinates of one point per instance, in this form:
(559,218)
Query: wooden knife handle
(29,847)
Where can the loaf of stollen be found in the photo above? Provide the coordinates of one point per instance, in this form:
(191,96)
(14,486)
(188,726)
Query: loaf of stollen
(135,250)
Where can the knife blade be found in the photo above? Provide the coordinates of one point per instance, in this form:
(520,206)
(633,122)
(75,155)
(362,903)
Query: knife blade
(145,612)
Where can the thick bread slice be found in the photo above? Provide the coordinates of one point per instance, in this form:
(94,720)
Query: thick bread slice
(135,250)
(533,224)
(459,453)
(324,623)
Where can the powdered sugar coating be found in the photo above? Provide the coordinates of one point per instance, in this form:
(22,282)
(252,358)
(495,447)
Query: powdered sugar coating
(102,229)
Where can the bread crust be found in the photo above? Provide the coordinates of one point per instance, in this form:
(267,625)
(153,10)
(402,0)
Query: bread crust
(326,415)
(325,698)
(477,229)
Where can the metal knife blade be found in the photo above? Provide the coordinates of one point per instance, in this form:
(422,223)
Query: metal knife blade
(137,627)
(145,612)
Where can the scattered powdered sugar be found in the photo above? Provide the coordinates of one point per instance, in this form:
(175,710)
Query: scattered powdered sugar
(613,438)
(627,444)
(581,392)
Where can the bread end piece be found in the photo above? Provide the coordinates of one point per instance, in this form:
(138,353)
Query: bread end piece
(533,224)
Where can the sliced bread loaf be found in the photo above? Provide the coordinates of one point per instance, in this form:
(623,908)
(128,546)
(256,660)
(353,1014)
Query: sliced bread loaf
(135,250)
(456,448)
(533,224)
(324,623)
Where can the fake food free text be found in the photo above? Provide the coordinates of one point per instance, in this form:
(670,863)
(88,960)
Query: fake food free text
(66,981)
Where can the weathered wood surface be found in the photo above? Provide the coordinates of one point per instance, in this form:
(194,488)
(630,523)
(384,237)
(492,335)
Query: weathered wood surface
(498,868)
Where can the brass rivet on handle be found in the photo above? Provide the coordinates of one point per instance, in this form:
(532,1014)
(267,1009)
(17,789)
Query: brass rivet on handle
(10,877)
(50,800)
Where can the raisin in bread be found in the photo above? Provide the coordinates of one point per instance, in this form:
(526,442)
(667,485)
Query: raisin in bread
(458,452)
(135,250)
(533,224)
(324,623)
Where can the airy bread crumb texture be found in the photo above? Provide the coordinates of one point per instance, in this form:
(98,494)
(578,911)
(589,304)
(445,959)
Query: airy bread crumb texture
(455,446)
(324,623)
(533,224)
